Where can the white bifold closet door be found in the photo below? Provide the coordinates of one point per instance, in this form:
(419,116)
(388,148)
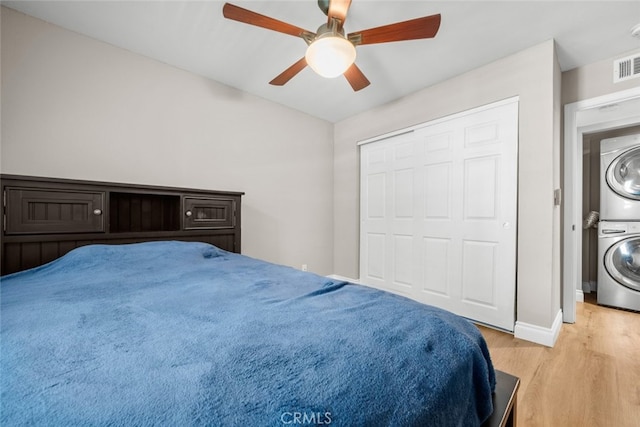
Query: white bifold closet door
(439,213)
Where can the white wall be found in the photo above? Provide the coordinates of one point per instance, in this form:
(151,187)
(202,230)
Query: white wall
(594,80)
(73,107)
(533,75)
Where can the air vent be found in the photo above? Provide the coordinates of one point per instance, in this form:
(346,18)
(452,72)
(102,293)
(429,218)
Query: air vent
(626,68)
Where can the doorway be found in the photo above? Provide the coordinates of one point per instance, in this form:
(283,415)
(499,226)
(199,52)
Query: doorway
(591,203)
(606,113)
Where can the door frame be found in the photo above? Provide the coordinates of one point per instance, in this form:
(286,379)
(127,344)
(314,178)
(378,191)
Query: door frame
(590,115)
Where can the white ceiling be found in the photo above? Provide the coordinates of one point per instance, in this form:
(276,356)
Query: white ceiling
(194,36)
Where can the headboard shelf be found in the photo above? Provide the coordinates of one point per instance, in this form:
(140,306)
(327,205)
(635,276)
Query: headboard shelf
(143,212)
(44,218)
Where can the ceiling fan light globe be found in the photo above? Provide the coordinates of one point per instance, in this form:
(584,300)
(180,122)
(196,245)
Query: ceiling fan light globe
(330,56)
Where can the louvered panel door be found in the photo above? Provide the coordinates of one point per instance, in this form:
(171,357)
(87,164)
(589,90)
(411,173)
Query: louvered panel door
(439,212)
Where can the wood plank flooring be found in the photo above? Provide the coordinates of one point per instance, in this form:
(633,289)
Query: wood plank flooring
(590,378)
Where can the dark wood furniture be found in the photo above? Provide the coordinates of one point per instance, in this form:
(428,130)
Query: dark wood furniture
(504,401)
(44,218)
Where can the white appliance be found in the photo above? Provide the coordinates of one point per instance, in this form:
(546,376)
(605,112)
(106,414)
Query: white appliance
(620,179)
(619,266)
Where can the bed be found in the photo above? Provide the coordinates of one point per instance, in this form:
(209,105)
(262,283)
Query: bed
(175,329)
(184,333)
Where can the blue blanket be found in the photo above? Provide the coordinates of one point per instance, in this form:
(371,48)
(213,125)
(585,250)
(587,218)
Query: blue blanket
(178,334)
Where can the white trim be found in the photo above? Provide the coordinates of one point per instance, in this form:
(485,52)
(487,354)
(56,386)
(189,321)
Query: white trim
(579,295)
(440,120)
(343,278)
(538,334)
(573,131)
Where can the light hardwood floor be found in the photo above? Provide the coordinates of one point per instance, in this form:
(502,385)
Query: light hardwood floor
(590,378)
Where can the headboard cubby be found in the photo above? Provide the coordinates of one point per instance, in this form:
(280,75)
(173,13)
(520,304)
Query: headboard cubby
(44,218)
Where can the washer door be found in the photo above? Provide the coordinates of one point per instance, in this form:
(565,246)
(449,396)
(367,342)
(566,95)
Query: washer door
(622,262)
(623,175)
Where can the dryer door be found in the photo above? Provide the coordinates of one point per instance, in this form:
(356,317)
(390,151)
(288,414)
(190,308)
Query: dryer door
(622,262)
(623,175)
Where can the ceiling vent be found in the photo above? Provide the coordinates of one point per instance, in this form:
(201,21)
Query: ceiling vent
(626,68)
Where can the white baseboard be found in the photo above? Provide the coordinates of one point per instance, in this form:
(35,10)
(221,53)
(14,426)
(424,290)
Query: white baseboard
(538,334)
(343,278)
(579,295)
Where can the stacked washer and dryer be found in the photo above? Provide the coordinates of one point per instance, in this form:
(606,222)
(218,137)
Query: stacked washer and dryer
(619,226)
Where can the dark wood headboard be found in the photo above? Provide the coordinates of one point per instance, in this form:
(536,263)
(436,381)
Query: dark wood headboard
(44,218)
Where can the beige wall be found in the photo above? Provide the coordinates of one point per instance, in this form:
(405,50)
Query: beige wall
(533,75)
(556,255)
(73,107)
(594,80)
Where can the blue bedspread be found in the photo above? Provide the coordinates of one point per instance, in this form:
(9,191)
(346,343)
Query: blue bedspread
(178,334)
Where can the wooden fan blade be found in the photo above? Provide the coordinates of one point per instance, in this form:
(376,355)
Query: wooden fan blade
(419,28)
(289,73)
(338,9)
(356,78)
(237,13)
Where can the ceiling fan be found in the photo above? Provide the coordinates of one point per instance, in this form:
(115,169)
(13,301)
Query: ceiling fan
(330,52)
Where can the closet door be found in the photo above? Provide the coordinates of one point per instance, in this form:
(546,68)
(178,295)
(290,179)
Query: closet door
(388,215)
(439,212)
